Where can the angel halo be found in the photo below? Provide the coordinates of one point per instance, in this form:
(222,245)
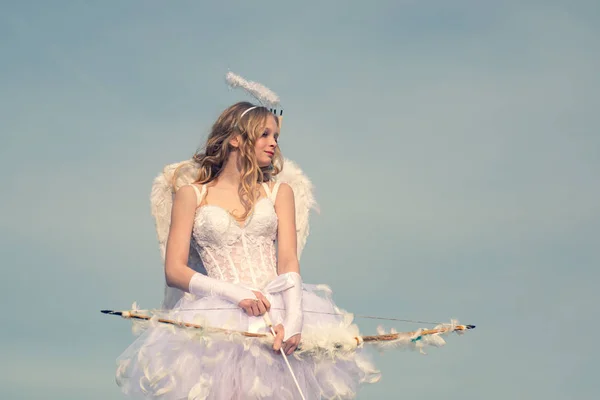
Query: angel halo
(266,97)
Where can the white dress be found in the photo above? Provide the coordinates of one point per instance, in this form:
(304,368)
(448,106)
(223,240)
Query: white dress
(167,362)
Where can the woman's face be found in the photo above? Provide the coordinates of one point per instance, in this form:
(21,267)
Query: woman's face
(267,142)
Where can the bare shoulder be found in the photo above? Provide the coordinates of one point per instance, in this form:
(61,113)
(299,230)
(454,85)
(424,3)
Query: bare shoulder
(188,194)
(285,194)
(285,188)
(186,191)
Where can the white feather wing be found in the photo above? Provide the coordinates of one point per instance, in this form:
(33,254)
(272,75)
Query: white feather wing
(303,197)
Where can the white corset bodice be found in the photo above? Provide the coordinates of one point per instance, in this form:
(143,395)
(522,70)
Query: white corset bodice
(234,251)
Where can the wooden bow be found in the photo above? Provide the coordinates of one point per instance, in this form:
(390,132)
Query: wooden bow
(388,337)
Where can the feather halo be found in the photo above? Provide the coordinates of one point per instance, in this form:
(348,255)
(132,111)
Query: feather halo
(260,92)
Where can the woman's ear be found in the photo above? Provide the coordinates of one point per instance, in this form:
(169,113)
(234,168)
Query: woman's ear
(235,141)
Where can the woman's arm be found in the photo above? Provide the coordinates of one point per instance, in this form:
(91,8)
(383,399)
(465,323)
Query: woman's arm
(285,207)
(177,272)
(287,263)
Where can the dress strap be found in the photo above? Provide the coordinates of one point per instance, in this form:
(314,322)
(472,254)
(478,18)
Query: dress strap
(271,194)
(275,189)
(199,194)
(267,190)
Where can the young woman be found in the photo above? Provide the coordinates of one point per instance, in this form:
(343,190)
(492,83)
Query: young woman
(241,222)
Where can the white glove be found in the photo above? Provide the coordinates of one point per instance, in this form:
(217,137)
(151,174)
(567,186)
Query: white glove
(202,285)
(292,298)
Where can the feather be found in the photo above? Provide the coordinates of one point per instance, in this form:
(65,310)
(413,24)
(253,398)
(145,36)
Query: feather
(303,197)
(262,93)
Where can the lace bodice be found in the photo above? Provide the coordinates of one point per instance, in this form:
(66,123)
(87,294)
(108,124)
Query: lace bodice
(233,251)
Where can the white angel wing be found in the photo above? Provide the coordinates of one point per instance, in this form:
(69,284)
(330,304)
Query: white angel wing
(161,201)
(303,197)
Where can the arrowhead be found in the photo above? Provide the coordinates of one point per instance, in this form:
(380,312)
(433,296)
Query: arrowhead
(111,312)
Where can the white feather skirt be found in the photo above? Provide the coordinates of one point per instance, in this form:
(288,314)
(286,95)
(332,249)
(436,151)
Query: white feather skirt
(167,362)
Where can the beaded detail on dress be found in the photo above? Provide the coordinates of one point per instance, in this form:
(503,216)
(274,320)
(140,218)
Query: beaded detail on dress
(238,252)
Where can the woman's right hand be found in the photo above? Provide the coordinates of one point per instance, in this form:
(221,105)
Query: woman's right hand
(255,307)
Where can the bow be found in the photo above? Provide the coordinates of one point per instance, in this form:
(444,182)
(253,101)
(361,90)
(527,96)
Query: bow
(342,339)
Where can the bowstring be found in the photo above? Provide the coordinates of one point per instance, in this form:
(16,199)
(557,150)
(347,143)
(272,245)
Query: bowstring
(411,321)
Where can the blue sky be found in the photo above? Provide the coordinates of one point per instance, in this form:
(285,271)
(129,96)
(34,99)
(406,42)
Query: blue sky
(453,145)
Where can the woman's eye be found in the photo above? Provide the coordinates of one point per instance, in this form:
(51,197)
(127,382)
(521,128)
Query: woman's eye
(265,134)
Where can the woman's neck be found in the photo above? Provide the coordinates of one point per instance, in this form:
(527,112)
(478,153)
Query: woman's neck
(231,173)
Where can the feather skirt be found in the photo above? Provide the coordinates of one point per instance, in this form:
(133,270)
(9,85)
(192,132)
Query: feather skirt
(167,362)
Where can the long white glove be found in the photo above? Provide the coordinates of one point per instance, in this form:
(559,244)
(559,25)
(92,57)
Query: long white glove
(292,298)
(202,285)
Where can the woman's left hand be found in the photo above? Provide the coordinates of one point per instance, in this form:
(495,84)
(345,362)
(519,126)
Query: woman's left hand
(288,346)
(291,344)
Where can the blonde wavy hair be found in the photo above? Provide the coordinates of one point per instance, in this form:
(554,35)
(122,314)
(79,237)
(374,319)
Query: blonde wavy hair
(211,159)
